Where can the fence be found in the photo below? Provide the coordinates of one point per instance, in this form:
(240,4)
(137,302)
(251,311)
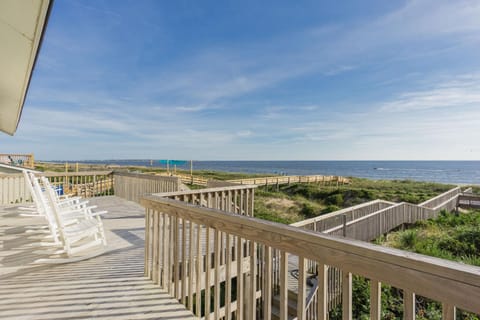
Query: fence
(438,200)
(85,184)
(22,160)
(336,218)
(132,186)
(13,189)
(277,180)
(183,255)
(235,199)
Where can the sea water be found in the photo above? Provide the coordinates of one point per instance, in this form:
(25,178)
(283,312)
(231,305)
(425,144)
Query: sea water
(458,172)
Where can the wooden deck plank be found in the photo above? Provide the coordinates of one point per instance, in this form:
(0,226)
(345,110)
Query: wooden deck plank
(110,286)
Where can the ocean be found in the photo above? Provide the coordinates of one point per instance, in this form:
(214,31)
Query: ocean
(456,172)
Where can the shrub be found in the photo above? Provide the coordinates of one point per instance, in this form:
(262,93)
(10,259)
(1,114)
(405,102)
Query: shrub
(308,210)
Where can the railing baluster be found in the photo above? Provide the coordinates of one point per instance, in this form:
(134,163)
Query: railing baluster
(253,283)
(302,279)
(208,268)
(322,302)
(228,277)
(408,305)
(184,262)
(240,292)
(267,291)
(283,285)
(155,239)
(176,266)
(216,297)
(191,264)
(449,312)
(375,300)
(199,256)
(346,295)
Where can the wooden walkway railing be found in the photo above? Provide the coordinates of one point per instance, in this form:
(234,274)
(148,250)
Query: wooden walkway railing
(469,201)
(336,218)
(277,180)
(185,178)
(85,184)
(203,269)
(235,199)
(133,186)
(21,160)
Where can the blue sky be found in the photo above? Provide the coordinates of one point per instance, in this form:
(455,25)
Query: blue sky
(255,80)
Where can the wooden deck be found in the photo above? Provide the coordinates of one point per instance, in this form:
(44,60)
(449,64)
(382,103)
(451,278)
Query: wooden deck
(110,286)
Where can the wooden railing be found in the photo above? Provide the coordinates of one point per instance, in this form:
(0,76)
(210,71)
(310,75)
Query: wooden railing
(438,200)
(236,199)
(185,178)
(133,186)
(22,160)
(277,180)
(13,189)
(469,201)
(336,218)
(85,184)
(202,269)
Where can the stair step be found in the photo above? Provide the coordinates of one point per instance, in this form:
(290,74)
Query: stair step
(292,305)
(276,314)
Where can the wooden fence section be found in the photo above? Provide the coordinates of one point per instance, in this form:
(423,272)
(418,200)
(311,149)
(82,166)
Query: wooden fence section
(22,160)
(13,189)
(336,218)
(237,199)
(132,186)
(438,200)
(190,273)
(85,184)
(266,181)
(469,201)
(186,178)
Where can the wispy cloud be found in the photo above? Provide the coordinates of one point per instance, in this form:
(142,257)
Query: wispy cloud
(462,91)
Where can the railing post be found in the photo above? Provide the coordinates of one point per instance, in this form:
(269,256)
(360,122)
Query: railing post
(344,222)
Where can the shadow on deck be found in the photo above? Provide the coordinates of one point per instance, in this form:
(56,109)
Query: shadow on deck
(110,286)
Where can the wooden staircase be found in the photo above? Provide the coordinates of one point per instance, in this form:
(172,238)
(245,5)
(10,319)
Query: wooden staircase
(292,306)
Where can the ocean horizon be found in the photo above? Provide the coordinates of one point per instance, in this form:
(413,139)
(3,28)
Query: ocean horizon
(444,171)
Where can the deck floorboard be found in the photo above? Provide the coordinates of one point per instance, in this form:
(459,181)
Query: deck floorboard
(110,286)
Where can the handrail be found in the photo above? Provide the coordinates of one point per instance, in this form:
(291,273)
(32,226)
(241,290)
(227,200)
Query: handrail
(236,199)
(133,186)
(454,284)
(22,160)
(428,203)
(71,174)
(352,222)
(198,191)
(291,179)
(339,212)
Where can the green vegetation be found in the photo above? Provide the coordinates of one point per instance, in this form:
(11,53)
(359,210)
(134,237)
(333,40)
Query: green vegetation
(296,202)
(450,236)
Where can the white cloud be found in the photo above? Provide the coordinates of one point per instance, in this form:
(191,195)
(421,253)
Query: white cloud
(462,91)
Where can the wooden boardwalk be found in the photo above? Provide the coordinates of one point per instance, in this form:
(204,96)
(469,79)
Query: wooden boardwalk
(110,286)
